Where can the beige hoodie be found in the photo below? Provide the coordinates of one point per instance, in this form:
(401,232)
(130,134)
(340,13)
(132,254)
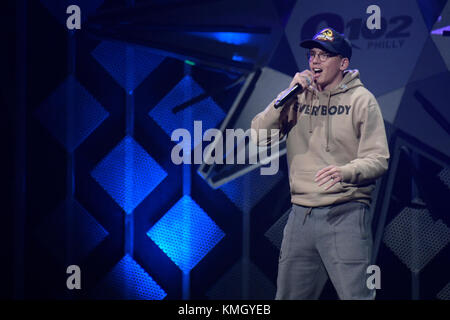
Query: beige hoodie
(342,127)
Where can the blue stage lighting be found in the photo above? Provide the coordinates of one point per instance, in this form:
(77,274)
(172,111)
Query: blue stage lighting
(71,119)
(128,65)
(246,191)
(237,38)
(128,280)
(186,233)
(128,173)
(205,110)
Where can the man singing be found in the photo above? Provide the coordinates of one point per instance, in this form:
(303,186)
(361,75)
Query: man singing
(336,149)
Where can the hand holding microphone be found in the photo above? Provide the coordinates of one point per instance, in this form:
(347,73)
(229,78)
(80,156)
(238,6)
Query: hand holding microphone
(300,81)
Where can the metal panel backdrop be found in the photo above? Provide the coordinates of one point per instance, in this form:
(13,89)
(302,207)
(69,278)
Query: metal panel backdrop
(100,188)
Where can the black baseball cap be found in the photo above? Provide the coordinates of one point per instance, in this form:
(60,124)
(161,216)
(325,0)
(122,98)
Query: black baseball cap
(330,40)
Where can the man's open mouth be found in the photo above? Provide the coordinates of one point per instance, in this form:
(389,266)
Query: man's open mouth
(317,70)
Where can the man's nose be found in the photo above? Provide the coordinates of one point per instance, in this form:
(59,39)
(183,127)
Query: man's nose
(315,59)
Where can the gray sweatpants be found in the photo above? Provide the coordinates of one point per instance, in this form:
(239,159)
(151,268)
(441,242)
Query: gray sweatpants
(322,242)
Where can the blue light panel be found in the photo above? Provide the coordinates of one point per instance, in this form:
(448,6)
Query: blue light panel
(247,190)
(206,110)
(128,173)
(237,38)
(128,65)
(128,280)
(186,233)
(84,113)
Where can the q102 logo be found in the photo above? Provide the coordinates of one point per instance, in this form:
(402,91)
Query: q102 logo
(391,34)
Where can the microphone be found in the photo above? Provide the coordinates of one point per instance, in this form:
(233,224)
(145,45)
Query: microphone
(294,90)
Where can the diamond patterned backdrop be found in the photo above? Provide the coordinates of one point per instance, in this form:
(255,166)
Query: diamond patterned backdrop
(128,173)
(415,238)
(186,233)
(229,287)
(124,170)
(86,232)
(127,280)
(206,110)
(129,66)
(444,294)
(275,233)
(84,112)
(246,191)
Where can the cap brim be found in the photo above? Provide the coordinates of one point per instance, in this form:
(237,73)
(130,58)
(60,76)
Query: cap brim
(309,44)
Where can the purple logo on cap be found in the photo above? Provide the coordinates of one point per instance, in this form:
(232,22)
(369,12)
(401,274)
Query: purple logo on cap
(325,35)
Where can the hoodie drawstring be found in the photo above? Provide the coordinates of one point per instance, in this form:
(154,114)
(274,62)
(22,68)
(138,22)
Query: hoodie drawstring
(328,123)
(310,120)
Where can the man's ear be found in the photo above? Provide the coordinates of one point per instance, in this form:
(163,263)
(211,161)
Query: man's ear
(344,64)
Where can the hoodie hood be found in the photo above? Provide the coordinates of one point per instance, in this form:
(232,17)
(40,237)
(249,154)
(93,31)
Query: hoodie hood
(351,80)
